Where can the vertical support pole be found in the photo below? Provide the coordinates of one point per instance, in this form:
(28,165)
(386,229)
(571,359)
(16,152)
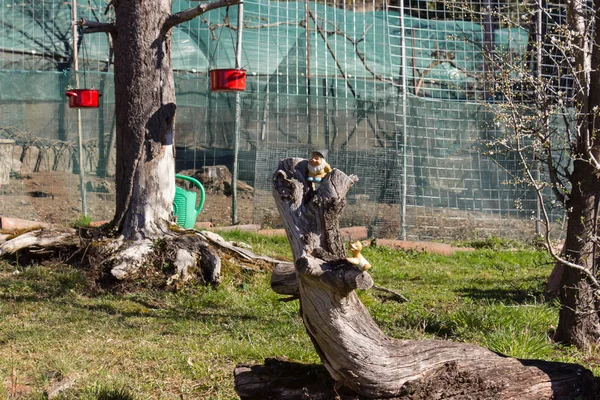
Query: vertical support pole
(404,123)
(79,128)
(537,164)
(488,45)
(308,113)
(238,116)
(326,116)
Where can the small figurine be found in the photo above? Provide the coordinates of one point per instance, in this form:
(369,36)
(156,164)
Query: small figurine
(317,167)
(357,258)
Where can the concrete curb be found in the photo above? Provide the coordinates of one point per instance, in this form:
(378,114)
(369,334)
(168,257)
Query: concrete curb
(348,234)
(15,224)
(243,228)
(429,247)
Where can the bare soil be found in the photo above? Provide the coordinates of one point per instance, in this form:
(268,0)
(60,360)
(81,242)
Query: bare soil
(55,197)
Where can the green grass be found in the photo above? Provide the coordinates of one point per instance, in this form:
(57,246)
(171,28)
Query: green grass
(273,246)
(165,345)
(82,222)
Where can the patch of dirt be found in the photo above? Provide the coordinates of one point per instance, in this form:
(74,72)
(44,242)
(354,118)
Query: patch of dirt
(54,197)
(451,383)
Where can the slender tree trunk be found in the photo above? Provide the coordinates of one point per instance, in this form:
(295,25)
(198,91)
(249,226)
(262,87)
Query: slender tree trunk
(145,113)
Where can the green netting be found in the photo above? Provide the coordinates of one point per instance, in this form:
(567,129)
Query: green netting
(353,105)
(442,56)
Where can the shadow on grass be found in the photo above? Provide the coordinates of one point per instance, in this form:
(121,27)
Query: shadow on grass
(114,394)
(131,308)
(279,378)
(568,380)
(174,313)
(508,295)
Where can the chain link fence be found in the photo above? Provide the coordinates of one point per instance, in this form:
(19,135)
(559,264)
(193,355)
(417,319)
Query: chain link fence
(390,91)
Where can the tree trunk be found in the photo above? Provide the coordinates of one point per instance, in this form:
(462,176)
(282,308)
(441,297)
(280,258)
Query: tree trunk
(145,114)
(579,322)
(353,349)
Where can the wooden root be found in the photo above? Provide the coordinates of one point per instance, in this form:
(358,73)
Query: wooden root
(191,254)
(38,243)
(351,346)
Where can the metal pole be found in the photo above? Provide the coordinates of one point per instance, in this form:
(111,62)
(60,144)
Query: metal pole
(79,135)
(404,130)
(238,115)
(488,46)
(308,113)
(536,163)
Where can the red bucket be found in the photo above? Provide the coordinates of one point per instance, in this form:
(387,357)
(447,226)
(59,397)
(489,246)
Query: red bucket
(83,98)
(227,80)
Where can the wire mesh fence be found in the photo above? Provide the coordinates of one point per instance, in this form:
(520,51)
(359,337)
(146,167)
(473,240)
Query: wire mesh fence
(389,91)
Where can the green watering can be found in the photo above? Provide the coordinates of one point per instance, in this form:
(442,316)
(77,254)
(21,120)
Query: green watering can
(184,204)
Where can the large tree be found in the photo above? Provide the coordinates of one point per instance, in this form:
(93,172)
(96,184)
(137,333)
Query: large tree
(579,321)
(549,103)
(145,108)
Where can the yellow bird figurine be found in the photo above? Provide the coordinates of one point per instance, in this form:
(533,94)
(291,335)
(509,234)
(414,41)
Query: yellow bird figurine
(357,258)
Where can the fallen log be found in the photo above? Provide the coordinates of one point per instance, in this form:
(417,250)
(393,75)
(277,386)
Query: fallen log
(38,243)
(355,352)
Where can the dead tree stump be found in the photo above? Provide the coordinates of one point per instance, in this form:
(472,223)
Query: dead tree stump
(355,352)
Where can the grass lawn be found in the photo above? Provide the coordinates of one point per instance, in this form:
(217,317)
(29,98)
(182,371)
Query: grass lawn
(184,345)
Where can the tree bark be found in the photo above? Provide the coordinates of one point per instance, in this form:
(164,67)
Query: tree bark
(579,319)
(351,346)
(579,322)
(145,114)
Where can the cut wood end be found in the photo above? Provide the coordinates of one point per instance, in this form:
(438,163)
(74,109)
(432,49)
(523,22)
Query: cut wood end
(364,281)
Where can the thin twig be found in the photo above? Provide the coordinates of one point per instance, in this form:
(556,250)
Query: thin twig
(392,292)
(95,26)
(191,13)
(337,62)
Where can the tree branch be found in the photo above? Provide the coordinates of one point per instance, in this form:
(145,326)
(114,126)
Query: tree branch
(95,27)
(191,13)
(324,37)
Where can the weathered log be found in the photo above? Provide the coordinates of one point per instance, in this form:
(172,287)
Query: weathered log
(351,346)
(190,254)
(283,281)
(38,244)
(282,379)
(244,254)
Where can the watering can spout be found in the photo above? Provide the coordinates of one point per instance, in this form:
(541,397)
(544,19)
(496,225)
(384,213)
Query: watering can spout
(184,204)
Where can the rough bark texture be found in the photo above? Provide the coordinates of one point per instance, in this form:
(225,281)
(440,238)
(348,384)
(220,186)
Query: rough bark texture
(354,350)
(145,114)
(281,379)
(39,244)
(579,320)
(283,279)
